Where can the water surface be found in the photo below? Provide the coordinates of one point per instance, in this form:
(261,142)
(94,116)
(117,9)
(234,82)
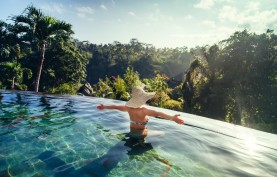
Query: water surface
(52,135)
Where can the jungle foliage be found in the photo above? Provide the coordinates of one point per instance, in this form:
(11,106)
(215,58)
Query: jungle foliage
(234,80)
(39,47)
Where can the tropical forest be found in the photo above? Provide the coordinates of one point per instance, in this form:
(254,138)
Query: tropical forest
(234,80)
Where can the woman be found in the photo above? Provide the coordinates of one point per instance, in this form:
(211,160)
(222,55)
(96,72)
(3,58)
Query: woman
(138,113)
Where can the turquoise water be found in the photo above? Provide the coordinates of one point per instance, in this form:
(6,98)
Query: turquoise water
(44,135)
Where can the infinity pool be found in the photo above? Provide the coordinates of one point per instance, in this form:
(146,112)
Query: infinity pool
(52,135)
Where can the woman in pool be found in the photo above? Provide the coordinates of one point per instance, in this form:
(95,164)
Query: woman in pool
(138,113)
(138,130)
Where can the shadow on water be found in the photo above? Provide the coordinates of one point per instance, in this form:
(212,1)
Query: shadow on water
(128,148)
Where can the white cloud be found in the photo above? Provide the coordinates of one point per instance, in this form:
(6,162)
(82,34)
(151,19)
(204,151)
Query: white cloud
(156,16)
(188,17)
(252,17)
(81,15)
(252,6)
(85,10)
(131,13)
(103,7)
(208,23)
(228,13)
(224,32)
(53,7)
(191,39)
(204,4)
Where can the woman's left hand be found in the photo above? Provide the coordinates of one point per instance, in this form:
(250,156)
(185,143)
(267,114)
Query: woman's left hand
(177,119)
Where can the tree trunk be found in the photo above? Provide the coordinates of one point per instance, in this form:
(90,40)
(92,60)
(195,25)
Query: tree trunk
(13,81)
(40,68)
(17,62)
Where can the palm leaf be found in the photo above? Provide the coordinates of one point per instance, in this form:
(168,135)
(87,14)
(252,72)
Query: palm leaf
(33,13)
(61,26)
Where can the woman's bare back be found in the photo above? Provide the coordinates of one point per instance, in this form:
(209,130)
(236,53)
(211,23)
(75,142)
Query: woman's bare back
(138,117)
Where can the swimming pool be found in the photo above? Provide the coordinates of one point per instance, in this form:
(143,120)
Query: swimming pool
(52,135)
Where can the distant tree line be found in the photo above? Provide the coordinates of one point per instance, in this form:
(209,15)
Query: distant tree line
(234,80)
(113,59)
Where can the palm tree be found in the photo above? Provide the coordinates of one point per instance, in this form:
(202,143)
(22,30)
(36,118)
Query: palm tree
(34,27)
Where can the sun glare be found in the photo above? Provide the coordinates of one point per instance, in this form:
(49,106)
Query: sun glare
(251,143)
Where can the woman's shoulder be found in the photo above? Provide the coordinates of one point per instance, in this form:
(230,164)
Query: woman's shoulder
(137,110)
(149,112)
(145,110)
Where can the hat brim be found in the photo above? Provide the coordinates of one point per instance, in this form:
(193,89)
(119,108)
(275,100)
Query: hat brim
(139,102)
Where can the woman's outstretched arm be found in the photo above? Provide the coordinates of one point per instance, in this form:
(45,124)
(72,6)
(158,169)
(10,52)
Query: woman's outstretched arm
(120,108)
(155,113)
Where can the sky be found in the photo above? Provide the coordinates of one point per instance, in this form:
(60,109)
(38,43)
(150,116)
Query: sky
(162,23)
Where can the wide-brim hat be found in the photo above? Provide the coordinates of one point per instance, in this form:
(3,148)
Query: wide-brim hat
(139,97)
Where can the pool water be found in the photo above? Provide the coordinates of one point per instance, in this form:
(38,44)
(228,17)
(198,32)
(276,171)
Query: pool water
(53,135)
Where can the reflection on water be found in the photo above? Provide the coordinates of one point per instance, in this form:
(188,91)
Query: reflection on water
(42,135)
(251,144)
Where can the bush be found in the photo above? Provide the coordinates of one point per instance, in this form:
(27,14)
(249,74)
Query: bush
(65,88)
(156,84)
(131,79)
(177,93)
(173,104)
(21,87)
(104,89)
(159,99)
(120,89)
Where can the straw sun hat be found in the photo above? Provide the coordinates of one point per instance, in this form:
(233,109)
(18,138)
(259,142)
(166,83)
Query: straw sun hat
(139,97)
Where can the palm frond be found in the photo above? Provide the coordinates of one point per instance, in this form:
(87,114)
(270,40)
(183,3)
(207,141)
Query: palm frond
(21,19)
(62,26)
(34,13)
(2,24)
